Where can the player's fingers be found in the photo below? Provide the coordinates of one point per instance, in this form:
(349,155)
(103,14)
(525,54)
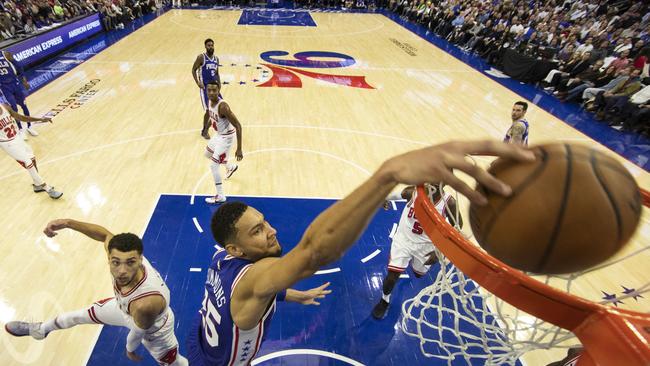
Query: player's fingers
(324,285)
(500,149)
(462,188)
(480,174)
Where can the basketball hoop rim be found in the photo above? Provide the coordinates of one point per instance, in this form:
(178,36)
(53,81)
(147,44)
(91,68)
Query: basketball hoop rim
(594,324)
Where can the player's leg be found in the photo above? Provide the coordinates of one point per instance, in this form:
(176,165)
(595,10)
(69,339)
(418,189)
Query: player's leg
(231,167)
(19,95)
(102,312)
(162,345)
(22,153)
(206,118)
(399,260)
(216,146)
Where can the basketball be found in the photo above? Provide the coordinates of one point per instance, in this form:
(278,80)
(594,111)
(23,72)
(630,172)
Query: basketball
(570,209)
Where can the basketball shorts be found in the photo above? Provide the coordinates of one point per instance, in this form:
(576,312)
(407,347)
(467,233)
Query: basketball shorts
(404,251)
(219,147)
(161,343)
(19,151)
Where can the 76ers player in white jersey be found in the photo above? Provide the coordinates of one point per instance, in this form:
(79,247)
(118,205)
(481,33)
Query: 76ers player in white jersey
(224,121)
(13,144)
(141,301)
(410,243)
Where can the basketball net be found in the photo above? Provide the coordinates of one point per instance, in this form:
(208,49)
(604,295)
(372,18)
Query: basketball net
(501,313)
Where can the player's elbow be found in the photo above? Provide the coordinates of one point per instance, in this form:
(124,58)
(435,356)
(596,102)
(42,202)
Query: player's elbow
(318,252)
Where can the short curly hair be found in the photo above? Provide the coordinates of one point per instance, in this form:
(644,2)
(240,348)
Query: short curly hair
(224,220)
(126,242)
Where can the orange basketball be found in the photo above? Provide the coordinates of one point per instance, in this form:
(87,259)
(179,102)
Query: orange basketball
(571,209)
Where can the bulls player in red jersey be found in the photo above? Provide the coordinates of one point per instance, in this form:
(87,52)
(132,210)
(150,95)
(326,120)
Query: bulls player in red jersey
(141,301)
(12,143)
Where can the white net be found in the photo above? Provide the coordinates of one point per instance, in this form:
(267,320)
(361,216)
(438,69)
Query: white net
(457,320)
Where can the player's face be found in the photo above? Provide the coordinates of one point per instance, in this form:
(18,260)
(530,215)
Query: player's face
(209,48)
(124,266)
(517,112)
(256,238)
(213,92)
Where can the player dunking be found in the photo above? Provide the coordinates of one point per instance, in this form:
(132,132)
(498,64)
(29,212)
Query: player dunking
(204,71)
(410,243)
(518,131)
(14,89)
(141,301)
(18,149)
(218,150)
(249,275)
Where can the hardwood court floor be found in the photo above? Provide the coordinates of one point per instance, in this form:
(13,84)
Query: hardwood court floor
(136,135)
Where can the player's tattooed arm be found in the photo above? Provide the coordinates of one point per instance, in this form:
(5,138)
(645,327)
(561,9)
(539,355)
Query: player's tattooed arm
(517,133)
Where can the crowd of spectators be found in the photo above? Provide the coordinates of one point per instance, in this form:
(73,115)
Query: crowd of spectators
(21,18)
(600,48)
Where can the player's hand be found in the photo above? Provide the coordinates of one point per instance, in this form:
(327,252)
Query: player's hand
(133,356)
(432,258)
(386,205)
(239,154)
(54,226)
(436,164)
(201,86)
(309,297)
(46,120)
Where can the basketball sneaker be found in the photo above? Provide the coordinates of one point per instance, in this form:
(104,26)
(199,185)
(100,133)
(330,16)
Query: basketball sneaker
(40,188)
(379,311)
(32,131)
(22,329)
(230,172)
(54,194)
(216,199)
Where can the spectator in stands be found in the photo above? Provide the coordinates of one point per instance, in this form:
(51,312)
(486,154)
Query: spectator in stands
(620,92)
(621,114)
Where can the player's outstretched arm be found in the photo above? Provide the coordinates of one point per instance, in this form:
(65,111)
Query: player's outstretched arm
(309,297)
(338,227)
(24,118)
(92,231)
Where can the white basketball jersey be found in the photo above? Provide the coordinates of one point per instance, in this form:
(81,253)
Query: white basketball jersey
(8,127)
(409,227)
(220,124)
(150,284)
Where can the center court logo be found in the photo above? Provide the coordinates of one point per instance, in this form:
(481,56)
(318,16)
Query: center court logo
(286,71)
